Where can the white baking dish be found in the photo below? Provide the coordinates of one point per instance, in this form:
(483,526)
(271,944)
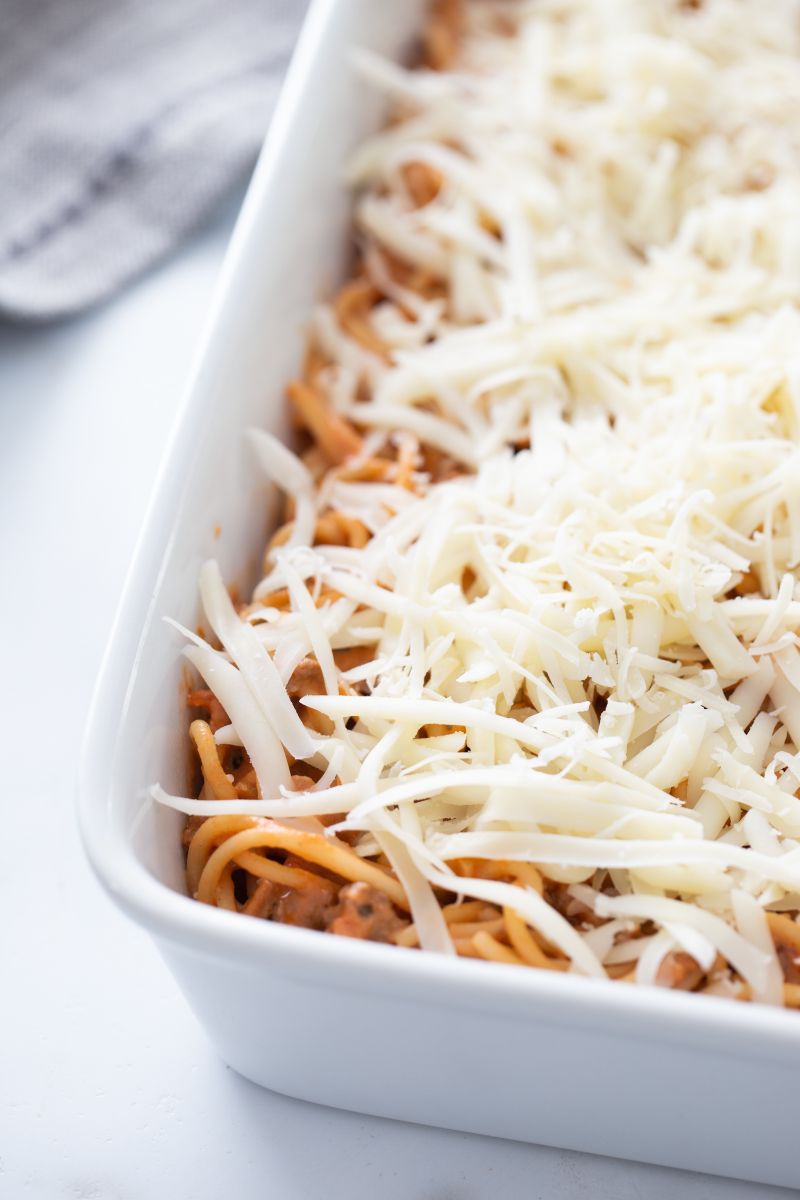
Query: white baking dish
(667,1078)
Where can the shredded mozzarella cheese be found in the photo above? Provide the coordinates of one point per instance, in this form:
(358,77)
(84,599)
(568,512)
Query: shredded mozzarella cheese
(601,619)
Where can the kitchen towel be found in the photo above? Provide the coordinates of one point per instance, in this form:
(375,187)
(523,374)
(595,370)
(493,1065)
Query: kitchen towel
(122,122)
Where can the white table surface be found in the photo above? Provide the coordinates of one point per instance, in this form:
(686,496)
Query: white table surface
(108,1089)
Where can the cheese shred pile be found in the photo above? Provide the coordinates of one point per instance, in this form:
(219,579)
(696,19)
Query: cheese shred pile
(570,603)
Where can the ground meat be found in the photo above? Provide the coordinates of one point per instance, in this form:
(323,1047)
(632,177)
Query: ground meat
(306,680)
(245,782)
(204,698)
(306,906)
(353,656)
(263,900)
(575,911)
(679,970)
(364,912)
(423,182)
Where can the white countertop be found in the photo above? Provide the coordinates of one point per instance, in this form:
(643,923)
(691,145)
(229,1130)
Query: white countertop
(108,1088)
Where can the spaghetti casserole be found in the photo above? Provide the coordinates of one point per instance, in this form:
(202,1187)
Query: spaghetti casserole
(521,679)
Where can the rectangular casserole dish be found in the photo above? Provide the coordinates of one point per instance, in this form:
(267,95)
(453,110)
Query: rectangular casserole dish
(657,1076)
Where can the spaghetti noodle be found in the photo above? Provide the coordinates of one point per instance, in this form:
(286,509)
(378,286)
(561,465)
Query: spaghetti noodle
(521,680)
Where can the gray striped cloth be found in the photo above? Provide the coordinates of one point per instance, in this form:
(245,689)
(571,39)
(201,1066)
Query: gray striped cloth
(122,122)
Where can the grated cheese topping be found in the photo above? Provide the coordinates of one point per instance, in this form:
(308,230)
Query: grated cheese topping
(599,611)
